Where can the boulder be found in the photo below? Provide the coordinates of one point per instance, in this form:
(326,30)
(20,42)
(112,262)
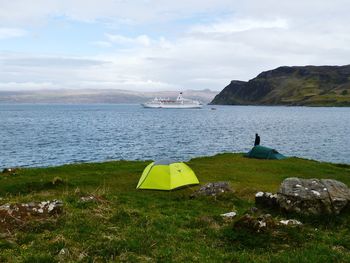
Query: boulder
(213,189)
(313,196)
(266,199)
(339,194)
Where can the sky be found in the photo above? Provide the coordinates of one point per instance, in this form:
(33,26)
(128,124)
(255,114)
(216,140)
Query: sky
(150,45)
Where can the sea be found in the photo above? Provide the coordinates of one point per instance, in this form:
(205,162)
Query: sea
(40,135)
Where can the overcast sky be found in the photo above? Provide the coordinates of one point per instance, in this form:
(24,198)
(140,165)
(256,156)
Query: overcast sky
(164,45)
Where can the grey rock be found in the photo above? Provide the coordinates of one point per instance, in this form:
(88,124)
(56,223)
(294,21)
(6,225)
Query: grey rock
(290,222)
(92,199)
(266,199)
(339,194)
(213,189)
(313,196)
(229,215)
(63,254)
(264,222)
(89,198)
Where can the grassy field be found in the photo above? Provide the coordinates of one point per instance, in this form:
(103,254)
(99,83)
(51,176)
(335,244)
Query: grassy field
(130,225)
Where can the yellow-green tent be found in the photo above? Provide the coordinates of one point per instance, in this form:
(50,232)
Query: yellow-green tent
(166,175)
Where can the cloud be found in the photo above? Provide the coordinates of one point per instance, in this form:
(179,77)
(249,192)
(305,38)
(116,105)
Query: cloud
(102,44)
(159,45)
(123,40)
(14,86)
(19,12)
(234,26)
(45,61)
(20,71)
(11,33)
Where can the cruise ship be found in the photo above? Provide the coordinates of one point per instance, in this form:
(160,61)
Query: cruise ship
(179,103)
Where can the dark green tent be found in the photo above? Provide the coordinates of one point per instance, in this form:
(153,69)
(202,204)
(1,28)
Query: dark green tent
(261,152)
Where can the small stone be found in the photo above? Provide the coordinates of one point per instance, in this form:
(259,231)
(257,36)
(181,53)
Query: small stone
(259,194)
(88,198)
(229,215)
(64,252)
(316,193)
(51,207)
(82,255)
(262,224)
(290,222)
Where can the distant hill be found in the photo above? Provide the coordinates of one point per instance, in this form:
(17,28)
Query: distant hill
(97,96)
(308,85)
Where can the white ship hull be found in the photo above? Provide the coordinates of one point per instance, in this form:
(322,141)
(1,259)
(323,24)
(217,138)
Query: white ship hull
(179,103)
(169,106)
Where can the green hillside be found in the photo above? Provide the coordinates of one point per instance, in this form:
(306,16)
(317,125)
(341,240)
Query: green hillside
(306,86)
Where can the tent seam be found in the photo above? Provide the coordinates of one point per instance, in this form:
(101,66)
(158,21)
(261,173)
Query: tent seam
(146,176)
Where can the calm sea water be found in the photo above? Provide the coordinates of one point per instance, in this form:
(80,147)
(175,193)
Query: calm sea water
(47,135)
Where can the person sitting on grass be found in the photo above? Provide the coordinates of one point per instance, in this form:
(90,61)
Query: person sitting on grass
(257,139)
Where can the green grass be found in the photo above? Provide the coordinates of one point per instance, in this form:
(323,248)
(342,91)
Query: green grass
(158,226)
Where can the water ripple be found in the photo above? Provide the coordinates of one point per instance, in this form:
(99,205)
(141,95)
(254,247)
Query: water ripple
(46,135)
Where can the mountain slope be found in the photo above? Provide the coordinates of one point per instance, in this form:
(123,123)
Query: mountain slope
(308,85)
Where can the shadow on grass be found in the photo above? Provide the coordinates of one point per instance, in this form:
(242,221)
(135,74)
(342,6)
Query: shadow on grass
(271,240)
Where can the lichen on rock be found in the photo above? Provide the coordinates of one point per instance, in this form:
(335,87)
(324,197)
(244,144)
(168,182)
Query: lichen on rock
(307,196)
(313,196)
